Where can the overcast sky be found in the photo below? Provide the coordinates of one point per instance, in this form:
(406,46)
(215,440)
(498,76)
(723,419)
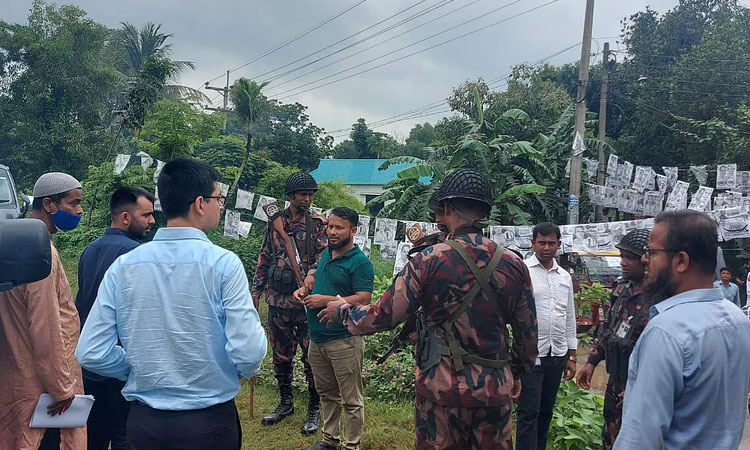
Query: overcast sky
(223,34)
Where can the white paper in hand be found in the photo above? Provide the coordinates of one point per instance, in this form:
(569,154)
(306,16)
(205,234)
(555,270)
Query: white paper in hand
(74,417)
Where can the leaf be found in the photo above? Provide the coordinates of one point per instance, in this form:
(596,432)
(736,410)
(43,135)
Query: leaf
(522,189)
(515,114)
(478,105)
(400,160)
(416,172)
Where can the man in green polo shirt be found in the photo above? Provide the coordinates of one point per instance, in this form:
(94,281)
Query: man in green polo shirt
(344,272)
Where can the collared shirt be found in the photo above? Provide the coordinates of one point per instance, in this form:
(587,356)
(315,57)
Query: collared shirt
(181,307)
(343,275)
(555,309)
(689,376)
(731,292)
(94,262)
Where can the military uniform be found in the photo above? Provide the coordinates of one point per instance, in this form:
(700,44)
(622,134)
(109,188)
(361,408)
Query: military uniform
(461,404)
(287,321)
(627,317)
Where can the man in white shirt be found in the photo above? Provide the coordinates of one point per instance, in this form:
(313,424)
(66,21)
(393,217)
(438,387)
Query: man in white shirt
(557,342)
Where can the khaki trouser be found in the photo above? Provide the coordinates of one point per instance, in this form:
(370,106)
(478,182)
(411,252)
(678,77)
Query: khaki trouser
(337,369)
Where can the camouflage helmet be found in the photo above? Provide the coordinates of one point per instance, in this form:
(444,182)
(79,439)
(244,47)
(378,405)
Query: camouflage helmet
(634,242)
(465,184)
(300,181)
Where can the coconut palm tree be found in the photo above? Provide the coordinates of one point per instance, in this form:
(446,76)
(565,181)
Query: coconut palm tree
(140,45)
(249,102)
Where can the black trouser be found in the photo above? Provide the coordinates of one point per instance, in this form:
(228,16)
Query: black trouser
(213,428)
(108,415)
(538,393)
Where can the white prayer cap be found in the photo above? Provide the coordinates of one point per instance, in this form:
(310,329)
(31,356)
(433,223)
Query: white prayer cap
(54,183)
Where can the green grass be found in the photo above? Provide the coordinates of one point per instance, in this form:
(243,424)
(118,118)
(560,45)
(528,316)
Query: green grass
(387,425)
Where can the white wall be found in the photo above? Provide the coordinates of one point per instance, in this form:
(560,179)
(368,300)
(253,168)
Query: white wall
(360,190)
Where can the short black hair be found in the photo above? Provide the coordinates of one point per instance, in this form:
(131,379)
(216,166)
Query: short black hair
(725,268)
(346,213)
(181,181)
(38,203)
(126,198)
(694,233)
(545,229)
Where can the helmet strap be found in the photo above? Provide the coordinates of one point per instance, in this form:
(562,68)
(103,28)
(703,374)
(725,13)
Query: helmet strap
(477,223)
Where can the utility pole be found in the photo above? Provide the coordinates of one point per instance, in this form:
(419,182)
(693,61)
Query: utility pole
(603,125)
(574,193)
(224,93)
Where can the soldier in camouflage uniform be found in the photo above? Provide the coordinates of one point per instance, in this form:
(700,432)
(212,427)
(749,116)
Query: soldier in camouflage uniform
(627,317)
(468,288)
(276,281)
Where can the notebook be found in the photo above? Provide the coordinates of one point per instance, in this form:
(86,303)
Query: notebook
(73,417)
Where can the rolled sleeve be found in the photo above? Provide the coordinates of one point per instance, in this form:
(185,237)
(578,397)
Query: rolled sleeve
(246,339)
(97,349)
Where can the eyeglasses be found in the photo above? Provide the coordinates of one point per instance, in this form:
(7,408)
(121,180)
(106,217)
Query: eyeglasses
(647,251)
(219,198)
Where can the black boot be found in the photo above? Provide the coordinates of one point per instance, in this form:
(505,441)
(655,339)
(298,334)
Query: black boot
(285,408)
(312,422)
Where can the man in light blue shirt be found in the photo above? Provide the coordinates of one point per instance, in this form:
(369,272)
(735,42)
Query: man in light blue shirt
(730,290)
(690,371)
(181,309)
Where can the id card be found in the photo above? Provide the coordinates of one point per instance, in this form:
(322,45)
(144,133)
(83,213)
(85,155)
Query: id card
(622,329)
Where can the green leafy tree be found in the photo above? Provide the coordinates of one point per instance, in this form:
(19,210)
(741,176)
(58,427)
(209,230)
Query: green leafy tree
(176,127)
(55,86)
(510,164)
(249,102)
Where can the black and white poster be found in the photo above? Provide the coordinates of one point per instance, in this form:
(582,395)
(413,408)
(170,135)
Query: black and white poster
(244,199)
(610,197)
(522,240)
(402,258)
(223,189)
(121,161)
(743,181)
(388,251)
(157,172)
(726,176)
(734,223)
(745,204)
(677,199)
(596,194)
(363,229)
(671,173)
(627,173)
(701,200)
(700,173)
(232,224)
(502,235)
(661,183)
(385,231)
(612,164)
(244,228)
(642,176)
(146,160)
(652,203)
(592,167)
(262,201)
(364,244)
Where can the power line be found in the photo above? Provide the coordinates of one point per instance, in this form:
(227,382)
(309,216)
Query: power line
(414,53)
(429,108)
(292,40)
(746,61)
(402,48)
(370,47)
(416,15)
